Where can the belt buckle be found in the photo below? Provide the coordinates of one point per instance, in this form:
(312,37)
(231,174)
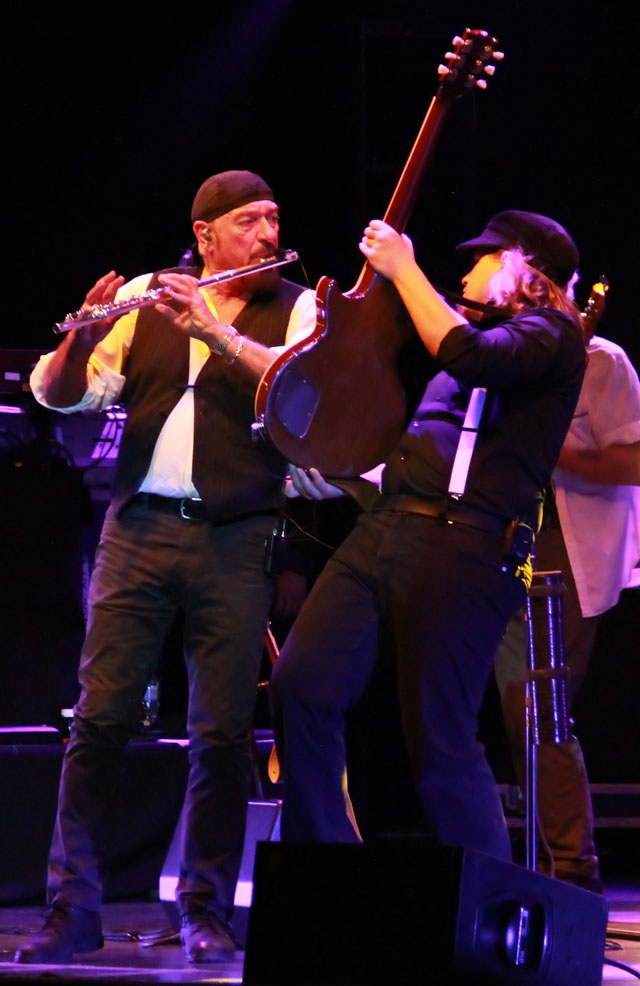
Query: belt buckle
(183,513)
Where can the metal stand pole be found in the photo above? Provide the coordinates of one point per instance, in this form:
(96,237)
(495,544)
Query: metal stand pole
(547,719)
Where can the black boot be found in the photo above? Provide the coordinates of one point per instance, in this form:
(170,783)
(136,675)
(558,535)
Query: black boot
(65,931)
(205,936)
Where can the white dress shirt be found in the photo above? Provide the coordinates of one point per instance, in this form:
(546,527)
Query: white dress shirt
(600,522)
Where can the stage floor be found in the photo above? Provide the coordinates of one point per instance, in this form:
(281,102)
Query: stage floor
(125,960)
(122,960)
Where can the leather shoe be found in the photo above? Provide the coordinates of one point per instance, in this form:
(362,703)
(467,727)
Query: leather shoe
(205,938)
(65,931)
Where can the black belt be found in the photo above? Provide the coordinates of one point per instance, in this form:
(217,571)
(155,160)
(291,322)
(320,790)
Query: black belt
(452,513)
(180,506)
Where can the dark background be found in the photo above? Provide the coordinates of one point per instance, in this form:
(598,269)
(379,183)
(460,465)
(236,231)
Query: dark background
(114,114)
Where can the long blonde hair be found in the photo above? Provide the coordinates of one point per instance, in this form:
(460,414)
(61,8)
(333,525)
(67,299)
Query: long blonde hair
(518,286)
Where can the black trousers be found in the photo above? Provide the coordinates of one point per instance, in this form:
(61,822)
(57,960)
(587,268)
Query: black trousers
(439,595)
(149,564)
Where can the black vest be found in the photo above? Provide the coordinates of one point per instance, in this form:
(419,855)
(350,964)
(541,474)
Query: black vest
(234,473)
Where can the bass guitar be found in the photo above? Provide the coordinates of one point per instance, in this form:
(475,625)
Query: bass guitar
(340,399)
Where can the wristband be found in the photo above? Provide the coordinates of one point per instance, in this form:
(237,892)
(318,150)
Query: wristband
(219,346)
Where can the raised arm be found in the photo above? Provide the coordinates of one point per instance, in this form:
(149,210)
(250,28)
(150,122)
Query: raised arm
(391,254)
(65,377)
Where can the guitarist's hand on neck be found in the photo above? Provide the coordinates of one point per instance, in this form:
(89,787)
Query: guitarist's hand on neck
(391,255)
(389,252)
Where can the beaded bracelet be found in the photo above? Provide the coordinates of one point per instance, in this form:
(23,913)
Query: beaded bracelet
(237,352)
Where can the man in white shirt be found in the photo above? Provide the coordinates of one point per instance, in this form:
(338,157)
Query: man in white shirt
(193,501)
(591,532)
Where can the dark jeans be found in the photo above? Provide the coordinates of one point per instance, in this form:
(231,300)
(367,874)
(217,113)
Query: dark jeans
(438,595)
(564,810)
(149,564)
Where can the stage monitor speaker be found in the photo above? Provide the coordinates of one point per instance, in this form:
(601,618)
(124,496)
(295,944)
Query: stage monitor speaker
(401,911)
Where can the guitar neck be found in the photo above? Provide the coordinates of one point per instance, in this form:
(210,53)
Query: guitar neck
(462,72)
(406,191)
(404,197)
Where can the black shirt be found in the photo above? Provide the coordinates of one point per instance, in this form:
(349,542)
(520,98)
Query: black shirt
(532,366)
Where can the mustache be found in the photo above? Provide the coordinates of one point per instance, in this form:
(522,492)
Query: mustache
(268,250)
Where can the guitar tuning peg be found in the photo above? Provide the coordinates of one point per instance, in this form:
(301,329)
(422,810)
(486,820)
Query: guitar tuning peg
(498,55)
(450,54)
(457,40)
(442,70)
(481,83)
(489,69)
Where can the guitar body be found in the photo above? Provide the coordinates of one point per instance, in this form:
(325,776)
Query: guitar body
(339,400)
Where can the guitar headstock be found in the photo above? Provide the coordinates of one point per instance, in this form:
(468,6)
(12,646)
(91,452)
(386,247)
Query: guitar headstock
(469,65)
(595,306)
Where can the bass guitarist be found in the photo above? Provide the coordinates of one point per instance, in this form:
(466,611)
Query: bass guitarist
(434,570)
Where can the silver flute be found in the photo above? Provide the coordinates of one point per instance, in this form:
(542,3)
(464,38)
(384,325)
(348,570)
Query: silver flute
(95,313)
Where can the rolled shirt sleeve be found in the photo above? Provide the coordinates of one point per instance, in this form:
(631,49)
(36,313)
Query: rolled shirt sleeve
(302,320)
(105,380)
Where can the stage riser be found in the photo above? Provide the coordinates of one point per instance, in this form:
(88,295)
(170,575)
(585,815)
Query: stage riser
(263,825)
(151,793)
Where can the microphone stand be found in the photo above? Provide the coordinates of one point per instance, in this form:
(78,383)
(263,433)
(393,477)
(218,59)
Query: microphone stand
(547,719)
